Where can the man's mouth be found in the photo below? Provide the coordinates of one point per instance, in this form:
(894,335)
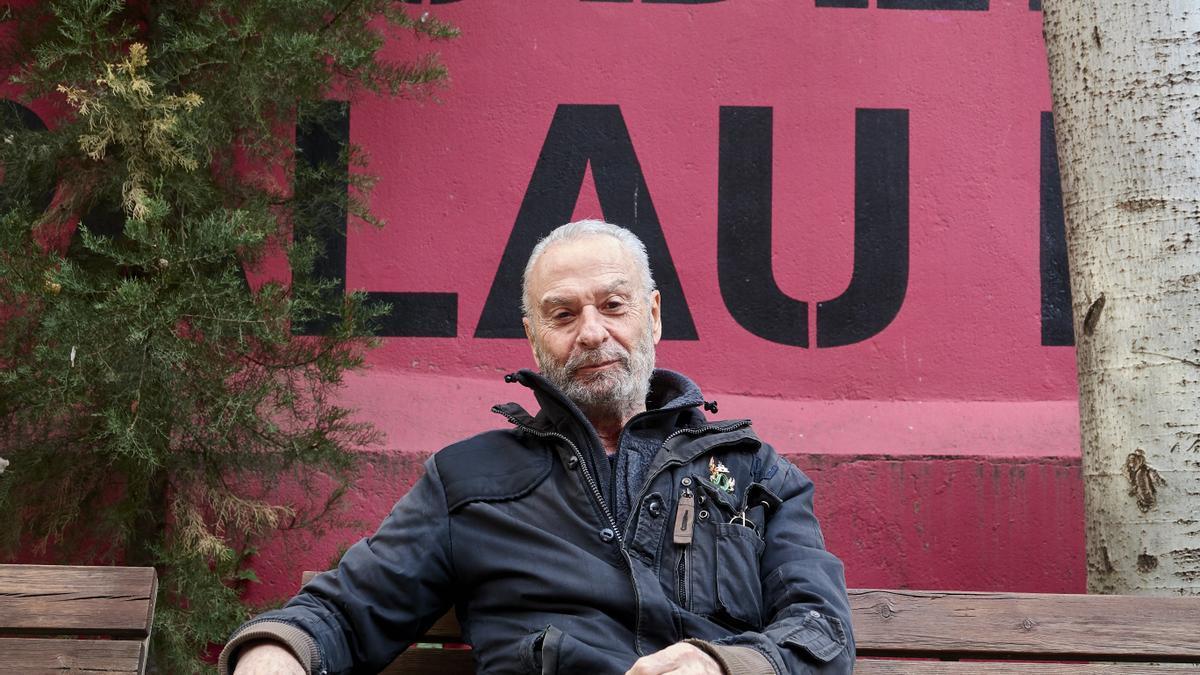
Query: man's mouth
(596,367)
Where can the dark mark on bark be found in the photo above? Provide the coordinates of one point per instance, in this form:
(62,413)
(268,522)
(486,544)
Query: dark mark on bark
(1096,36)
(1108,566)
(1143,480)
(1093,315)
(1185,556)
(1141,204)
(1146,563)
(1188,558)
(1168,357)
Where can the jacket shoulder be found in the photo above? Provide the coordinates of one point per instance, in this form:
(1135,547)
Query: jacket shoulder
(494,466)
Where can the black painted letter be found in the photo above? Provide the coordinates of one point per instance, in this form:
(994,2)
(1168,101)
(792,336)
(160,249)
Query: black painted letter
(744,271)
(880,277)
(580,134)
(1056,278)
(13,115)
(321,145)
(970,5)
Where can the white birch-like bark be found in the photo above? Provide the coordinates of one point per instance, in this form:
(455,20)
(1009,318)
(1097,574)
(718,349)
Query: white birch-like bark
(1125,79)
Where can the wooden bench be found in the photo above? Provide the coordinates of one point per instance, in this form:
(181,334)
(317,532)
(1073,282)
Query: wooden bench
(955,633)
(45,610)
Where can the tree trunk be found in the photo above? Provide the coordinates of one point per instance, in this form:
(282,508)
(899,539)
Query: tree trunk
(1125,78)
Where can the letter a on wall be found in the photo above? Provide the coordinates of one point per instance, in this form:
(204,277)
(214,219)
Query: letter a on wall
(579,135)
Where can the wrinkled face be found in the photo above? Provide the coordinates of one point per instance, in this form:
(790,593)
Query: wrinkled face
(592,326)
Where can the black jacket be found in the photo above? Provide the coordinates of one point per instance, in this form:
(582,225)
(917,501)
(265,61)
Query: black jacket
(514,527)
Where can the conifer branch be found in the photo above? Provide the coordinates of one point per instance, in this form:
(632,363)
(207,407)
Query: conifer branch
(148,388)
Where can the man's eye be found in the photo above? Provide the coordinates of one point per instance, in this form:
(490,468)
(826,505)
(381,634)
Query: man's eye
(614,305)
(560,316)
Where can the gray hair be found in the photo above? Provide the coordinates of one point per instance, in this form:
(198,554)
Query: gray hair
(588,228)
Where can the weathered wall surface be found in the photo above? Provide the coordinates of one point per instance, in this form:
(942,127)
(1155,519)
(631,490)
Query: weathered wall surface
(852,210)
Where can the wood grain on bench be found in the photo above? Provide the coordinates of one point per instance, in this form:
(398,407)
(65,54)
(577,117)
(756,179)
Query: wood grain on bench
(41,605)
(1037,625)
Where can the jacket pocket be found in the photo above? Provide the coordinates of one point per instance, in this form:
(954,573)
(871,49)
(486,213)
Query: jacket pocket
(821,636)
(539,651)
(738,586)
(553,652)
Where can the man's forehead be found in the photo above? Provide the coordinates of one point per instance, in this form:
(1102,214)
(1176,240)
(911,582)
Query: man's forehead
(588,265)
(594,256)
(568,289)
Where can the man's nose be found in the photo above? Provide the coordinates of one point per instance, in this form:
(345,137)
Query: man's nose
(592,332)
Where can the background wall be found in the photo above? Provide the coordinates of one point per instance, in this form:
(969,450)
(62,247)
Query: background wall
(852,210)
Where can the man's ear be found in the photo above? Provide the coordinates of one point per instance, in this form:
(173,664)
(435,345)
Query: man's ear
(529,336)
(656,313)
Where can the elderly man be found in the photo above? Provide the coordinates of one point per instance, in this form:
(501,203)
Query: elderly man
(617,531)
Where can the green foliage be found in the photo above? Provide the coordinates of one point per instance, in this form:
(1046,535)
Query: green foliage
(151,398)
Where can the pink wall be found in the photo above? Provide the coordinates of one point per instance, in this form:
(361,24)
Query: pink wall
(454,172)
(942,435)
(852,211)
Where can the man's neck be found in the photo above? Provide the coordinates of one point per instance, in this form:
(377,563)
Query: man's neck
(608,426)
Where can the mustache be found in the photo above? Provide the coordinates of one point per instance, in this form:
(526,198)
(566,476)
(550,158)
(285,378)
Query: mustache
(597,356)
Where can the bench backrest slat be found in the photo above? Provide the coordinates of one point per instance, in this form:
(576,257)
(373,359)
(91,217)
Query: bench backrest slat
(62,600)
(906,667)
(424,661)
(1122,634)
(33,656)
(1026,625)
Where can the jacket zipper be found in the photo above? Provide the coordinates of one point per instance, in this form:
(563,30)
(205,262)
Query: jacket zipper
(681,534)
(696,431)
(583,466)
(682,570)
(596,494)
(693,431)
(682,583)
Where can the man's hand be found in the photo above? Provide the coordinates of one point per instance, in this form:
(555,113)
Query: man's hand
(678,659)
(267,658)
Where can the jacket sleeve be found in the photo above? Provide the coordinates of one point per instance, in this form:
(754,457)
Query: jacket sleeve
(804,596)
(386,591)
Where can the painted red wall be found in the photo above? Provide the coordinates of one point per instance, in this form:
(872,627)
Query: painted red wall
(852,207)
(943,439)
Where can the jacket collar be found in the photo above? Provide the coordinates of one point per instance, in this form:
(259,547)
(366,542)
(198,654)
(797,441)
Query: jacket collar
(673,401)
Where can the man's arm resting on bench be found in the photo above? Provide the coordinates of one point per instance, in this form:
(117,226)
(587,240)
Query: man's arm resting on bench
(266,657)
(385,592)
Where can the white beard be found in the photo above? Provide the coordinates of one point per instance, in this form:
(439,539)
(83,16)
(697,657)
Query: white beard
(610,393)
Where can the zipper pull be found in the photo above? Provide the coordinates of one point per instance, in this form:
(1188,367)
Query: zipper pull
(685,518)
